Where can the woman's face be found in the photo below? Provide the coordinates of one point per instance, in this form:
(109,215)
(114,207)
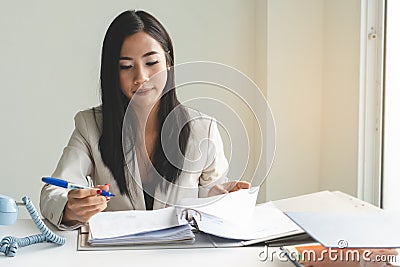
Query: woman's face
(141,58)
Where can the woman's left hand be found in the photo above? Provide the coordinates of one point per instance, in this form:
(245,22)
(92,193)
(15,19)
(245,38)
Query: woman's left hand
(228,187)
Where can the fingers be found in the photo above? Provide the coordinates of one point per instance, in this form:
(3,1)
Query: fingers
(83,193)
(88,201)
(80,215)
(105,187)
(82,204)
(233,186)
(83,209)
(240,185)
(228,187)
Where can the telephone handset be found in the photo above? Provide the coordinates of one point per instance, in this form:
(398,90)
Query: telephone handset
(9,214)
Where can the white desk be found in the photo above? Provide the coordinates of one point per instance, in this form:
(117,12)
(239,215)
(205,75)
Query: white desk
(47,254)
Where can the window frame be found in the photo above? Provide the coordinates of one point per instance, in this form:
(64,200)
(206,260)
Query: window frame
(371,101)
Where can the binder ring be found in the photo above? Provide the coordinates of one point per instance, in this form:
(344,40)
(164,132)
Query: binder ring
(190,218)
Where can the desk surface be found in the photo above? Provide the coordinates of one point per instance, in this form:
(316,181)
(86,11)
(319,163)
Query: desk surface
(47,254)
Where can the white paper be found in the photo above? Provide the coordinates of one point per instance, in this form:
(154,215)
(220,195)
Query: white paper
(378,229)
(122,223)
(237,206)
(267,221)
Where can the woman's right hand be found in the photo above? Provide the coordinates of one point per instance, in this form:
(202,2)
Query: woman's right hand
(83,204)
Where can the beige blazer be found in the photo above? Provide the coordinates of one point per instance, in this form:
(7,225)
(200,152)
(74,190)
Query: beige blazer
(205,165)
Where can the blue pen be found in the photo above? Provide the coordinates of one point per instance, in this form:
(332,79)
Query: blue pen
(65,184)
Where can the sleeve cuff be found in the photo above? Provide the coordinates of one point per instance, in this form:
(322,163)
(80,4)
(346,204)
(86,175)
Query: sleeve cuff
(52,206)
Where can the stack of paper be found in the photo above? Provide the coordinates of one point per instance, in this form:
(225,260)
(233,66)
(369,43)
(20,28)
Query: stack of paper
(182,233)
(138,227)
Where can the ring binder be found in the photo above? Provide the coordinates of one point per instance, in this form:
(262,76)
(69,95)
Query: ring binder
(190,218)
(218,221)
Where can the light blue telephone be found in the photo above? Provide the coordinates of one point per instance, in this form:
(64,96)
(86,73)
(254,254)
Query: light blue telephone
(9,214)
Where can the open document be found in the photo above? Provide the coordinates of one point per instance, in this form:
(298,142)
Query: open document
(233,216)
(266,223)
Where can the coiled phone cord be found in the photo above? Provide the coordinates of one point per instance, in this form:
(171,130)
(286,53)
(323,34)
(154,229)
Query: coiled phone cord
(10,244)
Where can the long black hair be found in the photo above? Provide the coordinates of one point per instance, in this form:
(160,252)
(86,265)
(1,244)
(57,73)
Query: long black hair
(115,103)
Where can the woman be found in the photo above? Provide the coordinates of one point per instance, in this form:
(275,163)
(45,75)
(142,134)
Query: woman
(141,142)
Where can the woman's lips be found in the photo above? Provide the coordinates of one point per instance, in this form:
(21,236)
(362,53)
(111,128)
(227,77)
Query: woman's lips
(143,91)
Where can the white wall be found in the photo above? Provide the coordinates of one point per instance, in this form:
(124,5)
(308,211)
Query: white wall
(313,74)
(294,56)
(340,95)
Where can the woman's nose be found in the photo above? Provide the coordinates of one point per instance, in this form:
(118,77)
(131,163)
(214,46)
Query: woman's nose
(140,76)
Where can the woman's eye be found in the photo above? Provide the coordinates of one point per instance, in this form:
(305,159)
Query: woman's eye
(152,63)
(125,67)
